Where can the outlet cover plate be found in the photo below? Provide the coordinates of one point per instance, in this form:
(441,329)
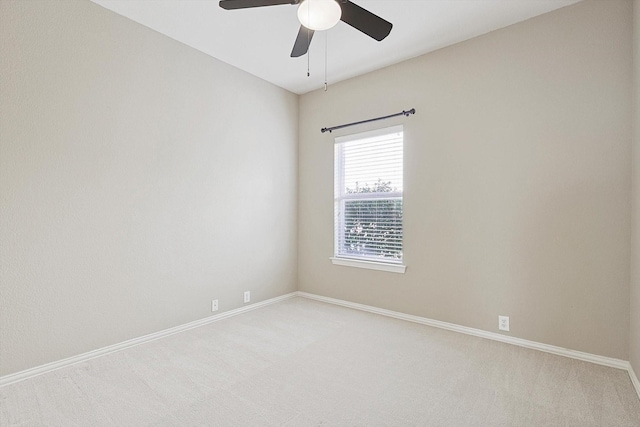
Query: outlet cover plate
(247,296)
(214,305)
(503,323)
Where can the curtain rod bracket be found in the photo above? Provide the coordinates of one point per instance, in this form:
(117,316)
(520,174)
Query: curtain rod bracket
(405,113)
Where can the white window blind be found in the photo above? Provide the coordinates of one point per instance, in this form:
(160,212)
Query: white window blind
(368,195)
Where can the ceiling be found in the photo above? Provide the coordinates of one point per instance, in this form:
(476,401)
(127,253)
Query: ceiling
(259,40)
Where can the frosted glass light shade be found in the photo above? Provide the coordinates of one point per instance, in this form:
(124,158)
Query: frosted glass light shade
(319,15)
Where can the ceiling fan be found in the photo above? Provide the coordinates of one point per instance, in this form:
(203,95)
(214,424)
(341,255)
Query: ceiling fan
(317,15)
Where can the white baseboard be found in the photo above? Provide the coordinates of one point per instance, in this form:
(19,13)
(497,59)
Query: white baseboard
(38,370)
(560,351)
(587,357)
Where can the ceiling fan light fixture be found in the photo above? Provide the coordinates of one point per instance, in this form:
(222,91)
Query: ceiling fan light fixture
(319,15)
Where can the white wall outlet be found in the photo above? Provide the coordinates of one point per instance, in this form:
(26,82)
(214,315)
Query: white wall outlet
(503,323)
(247,296)
(214,305)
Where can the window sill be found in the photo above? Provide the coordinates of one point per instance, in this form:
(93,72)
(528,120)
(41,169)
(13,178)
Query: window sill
(371,265)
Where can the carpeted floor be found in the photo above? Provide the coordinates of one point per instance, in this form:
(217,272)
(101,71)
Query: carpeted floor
(306,363)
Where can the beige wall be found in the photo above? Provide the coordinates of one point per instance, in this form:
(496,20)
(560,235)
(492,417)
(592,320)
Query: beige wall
(634,330)
(517,180)
(139,179)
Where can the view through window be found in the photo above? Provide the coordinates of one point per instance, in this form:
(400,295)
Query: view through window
(368,195)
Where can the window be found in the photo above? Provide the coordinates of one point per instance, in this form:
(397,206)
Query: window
(368,200)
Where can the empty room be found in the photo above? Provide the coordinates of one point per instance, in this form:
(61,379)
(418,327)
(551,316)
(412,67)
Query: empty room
(319,212)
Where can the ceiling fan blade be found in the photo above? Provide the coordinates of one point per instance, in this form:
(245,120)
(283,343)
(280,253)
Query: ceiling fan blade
(365,21)
(301,46)
(244,4)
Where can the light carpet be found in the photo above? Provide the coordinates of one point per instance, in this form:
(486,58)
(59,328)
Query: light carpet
(306,363)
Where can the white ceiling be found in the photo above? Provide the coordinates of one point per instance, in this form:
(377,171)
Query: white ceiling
(259,40)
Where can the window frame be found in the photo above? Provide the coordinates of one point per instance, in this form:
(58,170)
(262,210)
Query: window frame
(339,217)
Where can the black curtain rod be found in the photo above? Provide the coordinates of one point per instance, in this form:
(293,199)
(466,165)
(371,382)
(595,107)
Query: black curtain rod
(403,113)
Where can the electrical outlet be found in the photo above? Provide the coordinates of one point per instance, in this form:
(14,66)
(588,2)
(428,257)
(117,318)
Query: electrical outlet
(503,323)
(247,296)
(214,305)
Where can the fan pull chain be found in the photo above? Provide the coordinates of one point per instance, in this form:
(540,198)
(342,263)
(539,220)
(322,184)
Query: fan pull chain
(326,49)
